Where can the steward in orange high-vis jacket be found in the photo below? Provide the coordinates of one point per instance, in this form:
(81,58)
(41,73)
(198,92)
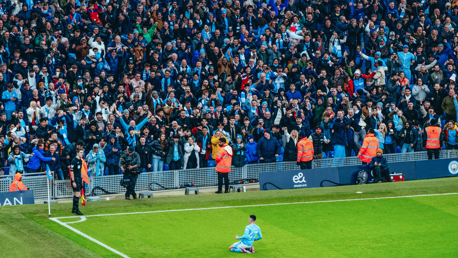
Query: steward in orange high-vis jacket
(369,148)
(305,153)
(223,161)
(17,184)
(433,139)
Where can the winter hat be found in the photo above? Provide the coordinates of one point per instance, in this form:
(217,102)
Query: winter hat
(302,134)
(379,151)
(250,137)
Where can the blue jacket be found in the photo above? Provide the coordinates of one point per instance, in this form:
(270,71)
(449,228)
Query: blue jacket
(111,156)
(268,148)
(53,165)
(291,95)
(37,158)
(250,152)
(340,132)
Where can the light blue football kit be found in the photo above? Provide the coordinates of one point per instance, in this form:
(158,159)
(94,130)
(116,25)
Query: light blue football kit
(252,233)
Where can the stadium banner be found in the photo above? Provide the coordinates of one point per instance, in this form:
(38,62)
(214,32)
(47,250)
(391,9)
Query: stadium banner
(297,178)
(427,169)
(17,198)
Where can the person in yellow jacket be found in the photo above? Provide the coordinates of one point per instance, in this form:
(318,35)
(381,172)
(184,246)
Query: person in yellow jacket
(305,153)
(17,184)
(223,164)
(433,134)
(215,142)
(369,148)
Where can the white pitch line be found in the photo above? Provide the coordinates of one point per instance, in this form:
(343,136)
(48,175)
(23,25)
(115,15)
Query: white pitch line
(260,205)
(90,238)
(82,218)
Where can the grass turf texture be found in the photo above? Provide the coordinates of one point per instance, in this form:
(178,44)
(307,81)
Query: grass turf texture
(407,227)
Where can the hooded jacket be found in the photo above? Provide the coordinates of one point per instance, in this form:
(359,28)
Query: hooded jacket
(17,184)
(250,152)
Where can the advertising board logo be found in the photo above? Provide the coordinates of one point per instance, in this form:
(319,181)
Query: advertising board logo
(453,167)
(299,179)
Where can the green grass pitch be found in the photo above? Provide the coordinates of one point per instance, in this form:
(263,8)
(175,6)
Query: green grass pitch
(423,226)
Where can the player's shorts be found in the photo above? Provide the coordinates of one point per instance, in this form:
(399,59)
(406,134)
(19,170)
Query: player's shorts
(239,245)
(79,185)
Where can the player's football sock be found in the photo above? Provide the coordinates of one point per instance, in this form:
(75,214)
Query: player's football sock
(75,204)
(236,250)
(245,251)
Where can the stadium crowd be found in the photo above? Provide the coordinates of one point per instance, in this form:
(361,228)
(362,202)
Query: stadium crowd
(171,78)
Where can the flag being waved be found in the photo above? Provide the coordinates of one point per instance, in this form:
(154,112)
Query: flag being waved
(83,198)
(85,180)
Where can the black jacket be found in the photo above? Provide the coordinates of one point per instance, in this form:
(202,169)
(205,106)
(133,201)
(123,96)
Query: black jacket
(145,155)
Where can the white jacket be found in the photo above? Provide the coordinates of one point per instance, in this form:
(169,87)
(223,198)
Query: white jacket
(187,153)
(379,76)
(30,115)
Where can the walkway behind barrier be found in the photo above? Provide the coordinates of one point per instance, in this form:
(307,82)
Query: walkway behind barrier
(174,179)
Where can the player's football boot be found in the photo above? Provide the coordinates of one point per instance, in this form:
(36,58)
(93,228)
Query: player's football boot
(252,249)
(245,251)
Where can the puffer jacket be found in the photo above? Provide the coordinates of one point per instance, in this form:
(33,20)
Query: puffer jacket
(290,150)
(268,148)
(37,158)
(379,76)
(250,152)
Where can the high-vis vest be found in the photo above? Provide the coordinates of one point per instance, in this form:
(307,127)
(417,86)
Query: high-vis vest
(305,150)
(17,184)
(433,134)
(224,159)
(369,148)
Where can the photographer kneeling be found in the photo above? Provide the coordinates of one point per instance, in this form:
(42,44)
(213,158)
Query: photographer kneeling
(130,166)
(379,168)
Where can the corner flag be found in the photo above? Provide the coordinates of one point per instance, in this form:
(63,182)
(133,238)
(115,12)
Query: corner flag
(83,198)
(48,172)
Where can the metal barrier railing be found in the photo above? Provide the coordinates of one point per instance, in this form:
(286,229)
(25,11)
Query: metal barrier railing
(199,177)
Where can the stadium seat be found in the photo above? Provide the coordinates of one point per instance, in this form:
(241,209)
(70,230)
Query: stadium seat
(443,146)
(165,167)
(331,154)
(6,170)
(120,172)
(211,163)
(353,153)
(324,155)
(279,158)
(106,172)
(397,149)
(443,123)
(143,170)
(282,150)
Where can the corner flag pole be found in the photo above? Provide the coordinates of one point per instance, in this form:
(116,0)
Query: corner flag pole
(48,177)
